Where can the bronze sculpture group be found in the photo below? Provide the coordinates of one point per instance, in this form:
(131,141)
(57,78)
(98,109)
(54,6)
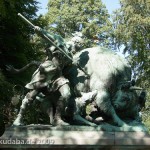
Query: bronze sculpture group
(96,77)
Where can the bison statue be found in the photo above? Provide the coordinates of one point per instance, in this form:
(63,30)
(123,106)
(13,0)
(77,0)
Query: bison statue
(110,75)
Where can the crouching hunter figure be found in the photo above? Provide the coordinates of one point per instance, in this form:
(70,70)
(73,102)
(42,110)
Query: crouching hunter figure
(49,78)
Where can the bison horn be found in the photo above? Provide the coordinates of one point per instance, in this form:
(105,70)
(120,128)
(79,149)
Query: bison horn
(135,88)
(132,82)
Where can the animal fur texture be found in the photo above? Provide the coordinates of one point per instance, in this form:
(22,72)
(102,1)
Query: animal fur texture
(107,71)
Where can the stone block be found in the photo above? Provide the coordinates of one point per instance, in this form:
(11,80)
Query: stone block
(72,137)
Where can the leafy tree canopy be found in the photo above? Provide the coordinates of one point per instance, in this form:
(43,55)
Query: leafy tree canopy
(89,16)
(132,29)
(15,46)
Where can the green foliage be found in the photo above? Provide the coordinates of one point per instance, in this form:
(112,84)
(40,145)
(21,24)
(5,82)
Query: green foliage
(132,29)
(15,47)
(5,98)
(36,115)
(5,88)
(91,17)
(38,43)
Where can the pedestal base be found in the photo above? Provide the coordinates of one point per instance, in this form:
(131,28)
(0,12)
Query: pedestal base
(72,137)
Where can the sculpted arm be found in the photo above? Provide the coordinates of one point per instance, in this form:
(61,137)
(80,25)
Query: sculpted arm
(11,69)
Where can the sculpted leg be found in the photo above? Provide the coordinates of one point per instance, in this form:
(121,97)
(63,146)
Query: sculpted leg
(27,100)
(58,114)
(18,121)
(61,105)
(117,120)
(50,114)
(80,119)
(104,103)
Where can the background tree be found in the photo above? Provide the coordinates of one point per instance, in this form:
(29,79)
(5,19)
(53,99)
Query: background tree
(15,46)
(132,29)
(89,16)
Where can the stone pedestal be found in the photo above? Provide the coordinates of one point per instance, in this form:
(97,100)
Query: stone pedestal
(72,137)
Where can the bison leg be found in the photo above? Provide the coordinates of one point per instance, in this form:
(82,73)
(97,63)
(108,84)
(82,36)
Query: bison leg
(116,119)
(80,119)
(104,103)
(50,114)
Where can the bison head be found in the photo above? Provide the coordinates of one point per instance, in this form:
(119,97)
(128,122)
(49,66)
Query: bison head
(126,96)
